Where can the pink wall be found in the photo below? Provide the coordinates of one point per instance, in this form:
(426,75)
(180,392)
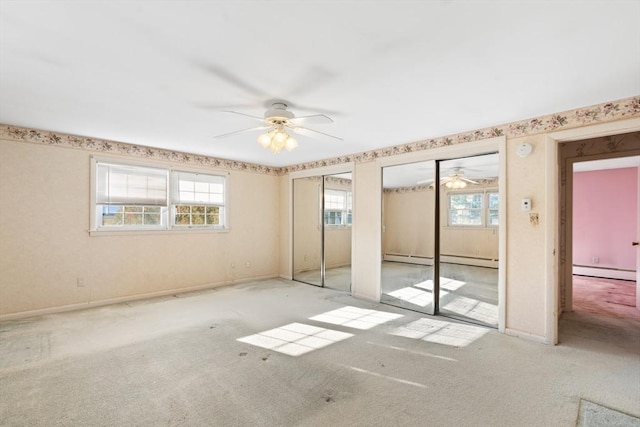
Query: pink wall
(605,217)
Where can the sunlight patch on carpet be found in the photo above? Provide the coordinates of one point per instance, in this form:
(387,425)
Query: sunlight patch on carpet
(441,332)
(295,339)
(354,317)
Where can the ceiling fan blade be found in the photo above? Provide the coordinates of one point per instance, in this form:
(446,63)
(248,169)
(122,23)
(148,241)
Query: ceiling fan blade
(224,135)
(315,119)
(232,79)
(310,132)
(314,109)
(316,76)
(243,114)
(424,181)
(468,180)
(220,107)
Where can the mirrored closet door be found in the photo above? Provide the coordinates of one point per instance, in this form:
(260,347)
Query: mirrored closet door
(307,230)
(322,219)
(408,236)
(468,258)
(440,237)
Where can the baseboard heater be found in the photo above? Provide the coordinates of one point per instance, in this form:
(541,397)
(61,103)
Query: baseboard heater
(604,272)
(409,259)
(451,259)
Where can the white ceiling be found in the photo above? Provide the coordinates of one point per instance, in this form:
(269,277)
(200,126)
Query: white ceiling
(615,163)
(158,73)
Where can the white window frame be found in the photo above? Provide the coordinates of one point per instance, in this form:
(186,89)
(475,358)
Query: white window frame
(167,211)
(174,200)
(484,210)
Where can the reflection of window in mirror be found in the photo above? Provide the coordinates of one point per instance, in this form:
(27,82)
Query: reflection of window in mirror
(473,208)
(337,207)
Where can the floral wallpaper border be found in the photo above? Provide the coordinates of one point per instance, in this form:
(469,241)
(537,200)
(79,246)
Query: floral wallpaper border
(113,147)
(601,113)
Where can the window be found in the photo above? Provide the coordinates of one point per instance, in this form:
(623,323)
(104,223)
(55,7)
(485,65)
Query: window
(198,199)
(337,207)
(477,209)
(132,197)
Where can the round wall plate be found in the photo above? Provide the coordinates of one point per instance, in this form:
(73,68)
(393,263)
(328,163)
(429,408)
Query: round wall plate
(524,149)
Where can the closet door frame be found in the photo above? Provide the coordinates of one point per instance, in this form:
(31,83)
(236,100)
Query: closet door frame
(322,173)
(490,145)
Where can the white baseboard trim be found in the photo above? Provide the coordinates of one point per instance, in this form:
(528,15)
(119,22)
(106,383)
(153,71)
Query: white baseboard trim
(365,297)
(605,273)
(118,300)
(526,335)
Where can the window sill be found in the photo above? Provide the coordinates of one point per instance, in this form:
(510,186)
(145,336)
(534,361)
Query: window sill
(96,233)
(472,227)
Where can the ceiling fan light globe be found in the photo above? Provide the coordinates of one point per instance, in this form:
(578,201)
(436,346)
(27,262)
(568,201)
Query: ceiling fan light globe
(456,184)
(264,140)
(281,137)
(291,144)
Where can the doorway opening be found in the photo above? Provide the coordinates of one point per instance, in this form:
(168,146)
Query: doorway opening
(599,280)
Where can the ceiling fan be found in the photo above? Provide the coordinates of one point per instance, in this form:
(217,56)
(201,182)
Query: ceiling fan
(454,181)
(278,122)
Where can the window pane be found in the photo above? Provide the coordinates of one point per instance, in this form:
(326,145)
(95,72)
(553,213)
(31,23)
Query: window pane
(493,217)
(132,218)
(213,215)
(152,219)
(465,217)
(333,217)
(197,219)
(494,200)
(183,219)
(465,201)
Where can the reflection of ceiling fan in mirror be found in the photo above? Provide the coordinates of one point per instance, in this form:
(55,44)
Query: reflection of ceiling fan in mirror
(454,181)
(278,123)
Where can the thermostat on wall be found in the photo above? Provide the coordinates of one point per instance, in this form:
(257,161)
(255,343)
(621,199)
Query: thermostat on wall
(524,149)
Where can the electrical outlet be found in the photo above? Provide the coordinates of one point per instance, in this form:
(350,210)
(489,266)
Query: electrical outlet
(595,260)
(80,282)
(248,264)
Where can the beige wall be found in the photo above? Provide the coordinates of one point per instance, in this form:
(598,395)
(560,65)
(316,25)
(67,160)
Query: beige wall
(45,246)
(408,223)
